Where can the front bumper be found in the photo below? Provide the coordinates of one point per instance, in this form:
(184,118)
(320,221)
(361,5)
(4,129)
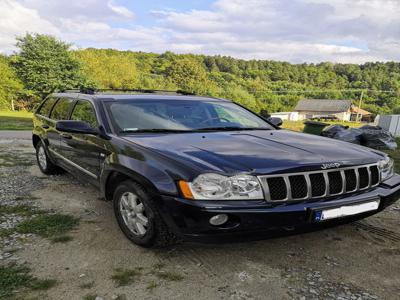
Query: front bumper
(257,219)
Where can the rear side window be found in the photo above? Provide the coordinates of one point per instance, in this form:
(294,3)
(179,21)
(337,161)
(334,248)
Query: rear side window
(61,109)
(84,111)
(46,107)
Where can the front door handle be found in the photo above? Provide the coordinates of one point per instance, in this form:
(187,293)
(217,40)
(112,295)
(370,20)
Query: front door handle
(44,126)
(66,136)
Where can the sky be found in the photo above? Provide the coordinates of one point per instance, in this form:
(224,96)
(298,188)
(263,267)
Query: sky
(346,31)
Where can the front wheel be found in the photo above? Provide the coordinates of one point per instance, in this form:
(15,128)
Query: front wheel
(138,216)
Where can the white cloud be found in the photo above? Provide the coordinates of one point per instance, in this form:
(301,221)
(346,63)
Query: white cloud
(120,10)
(291,30)
(16,20)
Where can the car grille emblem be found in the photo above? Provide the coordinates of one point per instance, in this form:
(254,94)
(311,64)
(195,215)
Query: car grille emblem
(330,166)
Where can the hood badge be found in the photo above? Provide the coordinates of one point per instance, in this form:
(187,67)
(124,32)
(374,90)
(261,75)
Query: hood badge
(330,166)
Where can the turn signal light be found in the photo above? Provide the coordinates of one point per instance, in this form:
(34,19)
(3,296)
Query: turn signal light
(185,189)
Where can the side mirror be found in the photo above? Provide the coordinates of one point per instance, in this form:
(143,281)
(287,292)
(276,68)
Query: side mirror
(275,121)
(76,127)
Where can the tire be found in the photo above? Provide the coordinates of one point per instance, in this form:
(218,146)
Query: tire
(44,162)
(138,216)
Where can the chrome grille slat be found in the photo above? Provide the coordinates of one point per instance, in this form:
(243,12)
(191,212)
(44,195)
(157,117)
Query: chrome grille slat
(355,171)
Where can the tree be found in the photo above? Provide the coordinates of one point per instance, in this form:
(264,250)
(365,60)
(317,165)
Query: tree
(45,65)
(10,86)
(189,75)
(108,69)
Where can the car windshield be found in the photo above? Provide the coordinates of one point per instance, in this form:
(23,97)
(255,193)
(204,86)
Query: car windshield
(182,116)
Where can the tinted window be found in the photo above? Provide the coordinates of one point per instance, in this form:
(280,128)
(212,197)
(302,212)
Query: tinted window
(61,109)
(84,111)
(46,107)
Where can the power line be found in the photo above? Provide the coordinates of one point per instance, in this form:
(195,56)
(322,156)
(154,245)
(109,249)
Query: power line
(325,90)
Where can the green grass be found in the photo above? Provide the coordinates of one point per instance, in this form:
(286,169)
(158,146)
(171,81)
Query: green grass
(90,297)
(14,160)
(123,277)
(151,286)
(15,120)
(22,210)
(299,125)
(13,277)
(50,226)
(61,239)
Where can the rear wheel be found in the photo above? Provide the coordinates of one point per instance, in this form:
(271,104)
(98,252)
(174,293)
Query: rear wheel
(138,216)
(44,163)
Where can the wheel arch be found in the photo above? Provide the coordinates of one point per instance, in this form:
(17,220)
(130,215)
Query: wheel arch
(113,177)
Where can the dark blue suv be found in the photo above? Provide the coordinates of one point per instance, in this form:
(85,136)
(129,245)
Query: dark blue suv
(206,169)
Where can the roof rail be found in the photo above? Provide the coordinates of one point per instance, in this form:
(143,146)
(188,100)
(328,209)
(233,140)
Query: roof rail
(92,91)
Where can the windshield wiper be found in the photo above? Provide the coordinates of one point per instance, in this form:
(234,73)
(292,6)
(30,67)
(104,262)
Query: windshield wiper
(153,130)
(231,128)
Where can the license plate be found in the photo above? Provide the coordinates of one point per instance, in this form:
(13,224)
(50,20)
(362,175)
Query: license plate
(347,210)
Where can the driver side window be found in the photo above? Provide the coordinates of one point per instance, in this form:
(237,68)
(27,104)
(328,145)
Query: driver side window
(84,111)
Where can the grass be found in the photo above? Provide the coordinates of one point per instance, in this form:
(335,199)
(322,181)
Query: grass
(14,159)
(61,239)
(123,277)
(22,210)
(13,277)
(50,226)
(15,120)
(90,297)
(151,286)
(299,125)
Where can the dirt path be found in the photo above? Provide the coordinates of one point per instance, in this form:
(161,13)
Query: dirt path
(356,261)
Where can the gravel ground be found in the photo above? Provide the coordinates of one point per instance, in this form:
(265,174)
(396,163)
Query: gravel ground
(355,261)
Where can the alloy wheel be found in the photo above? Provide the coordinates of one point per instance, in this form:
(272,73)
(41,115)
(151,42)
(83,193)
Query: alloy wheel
(133,213)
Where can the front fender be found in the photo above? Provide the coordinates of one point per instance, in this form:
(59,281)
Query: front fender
(158,180)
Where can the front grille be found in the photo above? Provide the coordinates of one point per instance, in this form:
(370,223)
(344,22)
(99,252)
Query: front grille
(319,184)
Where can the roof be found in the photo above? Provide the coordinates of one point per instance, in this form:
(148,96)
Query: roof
(360,111)
(323,105)
(137,96)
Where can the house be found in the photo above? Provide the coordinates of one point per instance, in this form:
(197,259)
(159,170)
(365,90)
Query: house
(319,108)
(290,116)
(360,114)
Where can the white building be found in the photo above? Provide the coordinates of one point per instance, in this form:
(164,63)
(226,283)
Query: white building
(315,108)
(290,116)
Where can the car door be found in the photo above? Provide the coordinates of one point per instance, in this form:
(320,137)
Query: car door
(83,150)
(60,111)
(45,125)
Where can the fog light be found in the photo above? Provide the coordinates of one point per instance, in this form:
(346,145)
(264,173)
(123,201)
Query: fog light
(218,220)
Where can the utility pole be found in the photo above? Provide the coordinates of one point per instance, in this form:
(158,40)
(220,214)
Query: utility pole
(359,105)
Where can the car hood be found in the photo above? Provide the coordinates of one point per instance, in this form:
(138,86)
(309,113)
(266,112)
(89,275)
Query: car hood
(258,152)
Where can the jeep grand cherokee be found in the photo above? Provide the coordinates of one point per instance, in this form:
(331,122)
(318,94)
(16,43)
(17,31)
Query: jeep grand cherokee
(203,169)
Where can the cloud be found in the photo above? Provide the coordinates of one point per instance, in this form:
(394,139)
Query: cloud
(16,20)
(120,10)
(290,30)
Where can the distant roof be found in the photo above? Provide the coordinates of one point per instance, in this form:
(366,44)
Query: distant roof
(323,105)
(360,111)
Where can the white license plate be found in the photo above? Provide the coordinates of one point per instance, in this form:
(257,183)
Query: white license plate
(347,210)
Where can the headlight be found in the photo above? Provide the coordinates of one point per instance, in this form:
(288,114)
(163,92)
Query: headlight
(218,187)
(386,166)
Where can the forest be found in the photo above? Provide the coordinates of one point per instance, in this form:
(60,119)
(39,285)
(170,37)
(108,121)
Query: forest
(44,64)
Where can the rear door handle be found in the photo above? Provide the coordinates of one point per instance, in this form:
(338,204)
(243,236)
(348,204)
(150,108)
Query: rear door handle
(66,136)
(44,126)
